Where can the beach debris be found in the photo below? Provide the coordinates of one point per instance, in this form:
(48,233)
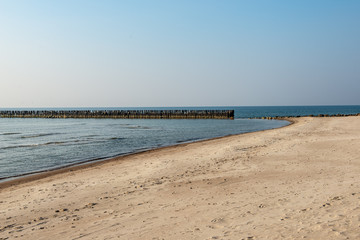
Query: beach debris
(337,198)
(90,205)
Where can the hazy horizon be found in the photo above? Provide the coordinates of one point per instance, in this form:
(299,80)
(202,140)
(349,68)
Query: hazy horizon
(169,107)
(67,54)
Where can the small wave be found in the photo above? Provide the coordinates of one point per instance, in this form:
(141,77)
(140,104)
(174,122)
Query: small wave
(116,138)
(93,135)
(21,146)
(10,133)
(187,140)
(117,124)
(39,135)
(137,127)
(53,143)
(34,145)
(83,138)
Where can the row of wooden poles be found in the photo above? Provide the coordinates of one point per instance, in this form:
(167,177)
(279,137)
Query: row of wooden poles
(147,114)
(319,115)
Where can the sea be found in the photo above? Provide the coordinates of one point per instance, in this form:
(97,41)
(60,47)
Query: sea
(29,146)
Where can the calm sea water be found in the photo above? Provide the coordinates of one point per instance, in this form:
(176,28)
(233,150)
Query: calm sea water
(32,145)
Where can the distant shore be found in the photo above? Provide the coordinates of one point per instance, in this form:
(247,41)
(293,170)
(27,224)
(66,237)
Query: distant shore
(293,182)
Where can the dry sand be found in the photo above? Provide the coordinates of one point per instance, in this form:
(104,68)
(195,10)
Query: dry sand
(300,181)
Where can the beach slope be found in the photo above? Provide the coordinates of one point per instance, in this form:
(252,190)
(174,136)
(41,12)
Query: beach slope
(299,181)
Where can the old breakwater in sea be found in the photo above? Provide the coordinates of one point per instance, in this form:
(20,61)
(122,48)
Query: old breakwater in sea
(311,115)
(129,114)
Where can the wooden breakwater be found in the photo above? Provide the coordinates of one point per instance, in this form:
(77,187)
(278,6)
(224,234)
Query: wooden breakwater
(298,116)
(132,114)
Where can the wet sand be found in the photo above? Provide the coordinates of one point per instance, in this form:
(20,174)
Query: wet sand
(299,181)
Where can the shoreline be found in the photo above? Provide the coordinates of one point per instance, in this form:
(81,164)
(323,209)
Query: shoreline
(32,176)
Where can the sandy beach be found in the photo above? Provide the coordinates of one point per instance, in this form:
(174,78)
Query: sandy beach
(295,182)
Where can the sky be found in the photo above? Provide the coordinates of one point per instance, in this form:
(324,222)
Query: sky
(86,53)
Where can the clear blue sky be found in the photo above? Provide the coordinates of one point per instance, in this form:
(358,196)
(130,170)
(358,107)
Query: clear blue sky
(84,53)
